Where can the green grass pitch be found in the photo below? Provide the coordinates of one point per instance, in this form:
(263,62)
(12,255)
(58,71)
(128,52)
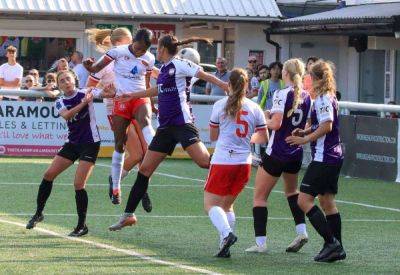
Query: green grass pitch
(178,232)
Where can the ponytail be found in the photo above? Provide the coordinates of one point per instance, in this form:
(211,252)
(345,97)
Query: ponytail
(238,82)
(104,39)
(295,68)
(322,73)
(171,42)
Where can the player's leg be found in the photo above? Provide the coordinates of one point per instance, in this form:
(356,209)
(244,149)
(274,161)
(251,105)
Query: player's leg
(120,125)
(87,159)
(143,117)
(328,205)
(314,183)
(134,150)
(143,114)
(199,154)
(58,165)
(82,174)
(264,184)
(292,194)
(214,207)
(150,163)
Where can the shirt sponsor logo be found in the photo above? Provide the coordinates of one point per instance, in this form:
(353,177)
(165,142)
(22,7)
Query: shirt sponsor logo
(324,110)
(278,101)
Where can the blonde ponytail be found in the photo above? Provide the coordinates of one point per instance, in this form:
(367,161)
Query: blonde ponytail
(238,82)
(295,68)
(104,39)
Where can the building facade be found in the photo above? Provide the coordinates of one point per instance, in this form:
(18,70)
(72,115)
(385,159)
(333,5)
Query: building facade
(46,30)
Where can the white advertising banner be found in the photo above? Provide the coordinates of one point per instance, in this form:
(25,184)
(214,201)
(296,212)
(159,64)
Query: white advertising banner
(35,129)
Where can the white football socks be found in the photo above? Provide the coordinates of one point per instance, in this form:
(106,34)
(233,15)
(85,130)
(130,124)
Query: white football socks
(261,240)
(220,221)
(148,133)
(231,220)
(301,229)
(116,169)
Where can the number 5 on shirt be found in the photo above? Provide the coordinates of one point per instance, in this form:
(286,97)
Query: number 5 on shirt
(244,123)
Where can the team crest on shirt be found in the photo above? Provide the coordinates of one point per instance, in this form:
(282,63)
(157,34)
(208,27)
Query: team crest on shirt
(126,58)
(122,106)
(171,71)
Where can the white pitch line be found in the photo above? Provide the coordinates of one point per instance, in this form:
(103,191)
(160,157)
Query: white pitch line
(275,191)
(184,217)
(100,184)
(115,249)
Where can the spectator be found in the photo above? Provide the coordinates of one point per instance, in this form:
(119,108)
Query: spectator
(263,74)
(35,74)
(79,69)
(51,87)
(221,73)
(11,73)
(28,85)
(392,115)
(307,81)
(62,65)
(269,86)
(251,66)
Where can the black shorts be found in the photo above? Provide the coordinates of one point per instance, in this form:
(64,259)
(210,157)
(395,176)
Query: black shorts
(321,178)
(83,151)
(166,138)
(275,167)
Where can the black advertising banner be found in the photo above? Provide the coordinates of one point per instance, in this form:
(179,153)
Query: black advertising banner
(347,126)
(371,149)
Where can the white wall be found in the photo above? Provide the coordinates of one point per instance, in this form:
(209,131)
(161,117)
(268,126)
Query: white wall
(251,37)
(333,48)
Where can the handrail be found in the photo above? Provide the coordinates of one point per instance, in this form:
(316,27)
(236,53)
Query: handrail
(345,106)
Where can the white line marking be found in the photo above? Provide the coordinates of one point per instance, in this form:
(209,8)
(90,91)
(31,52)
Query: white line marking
(275,191)
(100,184)
(184,217)
(115,249)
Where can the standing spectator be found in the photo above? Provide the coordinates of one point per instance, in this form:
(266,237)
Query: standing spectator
(307,81)
(62,65)
(76,58)
(251,70)
(223,74)
(269,86)
(263,74)
(11,73)
(79,69)
(35,74)
(251,66)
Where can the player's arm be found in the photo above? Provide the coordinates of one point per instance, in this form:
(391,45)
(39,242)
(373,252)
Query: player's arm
(323,129)
(275,122)
(153,91)
(260,135)
(155,72)
(68,114)
(214,121)
(213,79)
(93,67)
(92,81)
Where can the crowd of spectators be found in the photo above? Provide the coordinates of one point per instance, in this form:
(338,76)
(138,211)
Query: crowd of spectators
(12,76)
(264,79)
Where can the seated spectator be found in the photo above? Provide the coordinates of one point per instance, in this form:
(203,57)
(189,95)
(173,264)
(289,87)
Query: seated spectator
(221,73)
(62,65)
(35,74)
(307,81)
(269,86)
